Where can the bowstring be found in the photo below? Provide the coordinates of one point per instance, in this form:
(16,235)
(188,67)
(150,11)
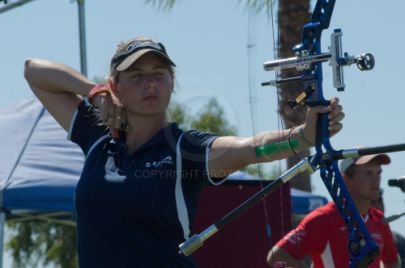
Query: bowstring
(253,99)
(280,122)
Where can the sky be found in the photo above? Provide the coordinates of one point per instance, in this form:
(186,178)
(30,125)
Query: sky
(208,40)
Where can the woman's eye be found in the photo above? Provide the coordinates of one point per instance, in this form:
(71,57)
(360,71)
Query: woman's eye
(137,75)
(160,73)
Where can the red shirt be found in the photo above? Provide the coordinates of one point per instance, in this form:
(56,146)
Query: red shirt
(323,235)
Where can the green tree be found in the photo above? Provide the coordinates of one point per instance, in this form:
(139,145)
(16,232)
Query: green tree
(212,119)
(36,243)
(179,114)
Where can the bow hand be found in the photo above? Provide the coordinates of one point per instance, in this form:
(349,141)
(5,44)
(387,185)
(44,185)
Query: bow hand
(335,116)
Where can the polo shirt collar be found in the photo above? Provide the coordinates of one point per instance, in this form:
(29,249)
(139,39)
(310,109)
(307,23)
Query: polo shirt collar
(162,137)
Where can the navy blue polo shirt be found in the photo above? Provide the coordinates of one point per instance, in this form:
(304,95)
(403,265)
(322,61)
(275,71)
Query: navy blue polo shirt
(136,214)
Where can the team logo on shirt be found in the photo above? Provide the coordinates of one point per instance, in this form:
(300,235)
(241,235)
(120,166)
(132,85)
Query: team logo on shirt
(112,173)
(295,236)
(167,160)
(376,236)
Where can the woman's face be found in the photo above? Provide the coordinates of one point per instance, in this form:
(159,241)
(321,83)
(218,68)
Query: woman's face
(145,88)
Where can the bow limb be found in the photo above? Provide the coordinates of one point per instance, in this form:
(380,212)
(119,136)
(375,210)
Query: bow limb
(361,246)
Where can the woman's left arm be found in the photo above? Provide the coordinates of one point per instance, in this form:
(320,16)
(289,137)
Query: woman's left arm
(229,154)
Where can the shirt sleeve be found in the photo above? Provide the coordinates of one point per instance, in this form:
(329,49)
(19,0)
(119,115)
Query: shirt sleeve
(309,237)
(195,150)
(84,129)
(389,253)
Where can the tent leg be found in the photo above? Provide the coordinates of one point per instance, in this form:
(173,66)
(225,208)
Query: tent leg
(2,222)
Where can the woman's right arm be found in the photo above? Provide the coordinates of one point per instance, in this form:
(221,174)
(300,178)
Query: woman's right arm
(58,87)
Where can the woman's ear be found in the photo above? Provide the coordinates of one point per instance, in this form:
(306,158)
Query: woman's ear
(173,82)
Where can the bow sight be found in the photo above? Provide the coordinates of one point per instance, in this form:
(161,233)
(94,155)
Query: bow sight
(304,61)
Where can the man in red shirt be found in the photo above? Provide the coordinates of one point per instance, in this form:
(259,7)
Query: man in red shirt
(323,235)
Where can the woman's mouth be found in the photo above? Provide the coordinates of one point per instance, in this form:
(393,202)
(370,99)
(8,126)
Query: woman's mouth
(150,98)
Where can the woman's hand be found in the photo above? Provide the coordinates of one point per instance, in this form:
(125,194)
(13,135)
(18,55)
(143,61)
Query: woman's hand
(335,115)
(112,113)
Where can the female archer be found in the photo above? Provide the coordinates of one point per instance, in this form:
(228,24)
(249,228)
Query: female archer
(137,194)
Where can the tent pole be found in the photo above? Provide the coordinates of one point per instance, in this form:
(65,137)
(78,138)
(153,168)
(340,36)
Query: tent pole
(82,37)
(2,223)
(10,6)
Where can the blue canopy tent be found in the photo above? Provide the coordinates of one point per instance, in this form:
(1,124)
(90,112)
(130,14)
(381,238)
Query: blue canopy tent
(39,168)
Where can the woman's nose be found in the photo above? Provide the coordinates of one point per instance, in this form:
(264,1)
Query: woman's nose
(150,80)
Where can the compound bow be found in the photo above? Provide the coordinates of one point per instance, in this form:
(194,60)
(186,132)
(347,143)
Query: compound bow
(309,59)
